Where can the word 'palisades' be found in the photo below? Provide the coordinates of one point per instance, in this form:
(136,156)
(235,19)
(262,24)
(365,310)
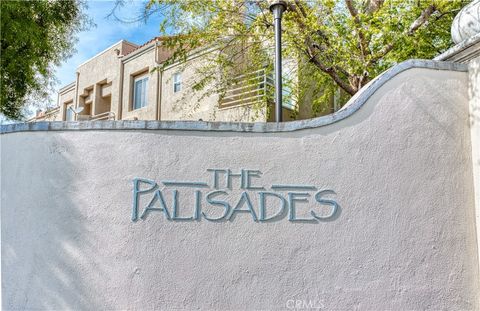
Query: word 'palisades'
(222,203)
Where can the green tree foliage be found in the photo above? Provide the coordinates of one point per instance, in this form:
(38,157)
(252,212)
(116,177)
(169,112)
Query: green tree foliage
(341,45)
(35,36)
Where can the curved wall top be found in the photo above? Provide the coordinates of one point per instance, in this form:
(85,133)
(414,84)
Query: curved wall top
(353,105)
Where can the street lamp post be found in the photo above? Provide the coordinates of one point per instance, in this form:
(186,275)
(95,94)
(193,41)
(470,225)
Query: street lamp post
(277,7)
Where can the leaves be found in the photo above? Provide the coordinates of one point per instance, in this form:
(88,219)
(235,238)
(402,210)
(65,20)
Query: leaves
(35,36)
(340,44)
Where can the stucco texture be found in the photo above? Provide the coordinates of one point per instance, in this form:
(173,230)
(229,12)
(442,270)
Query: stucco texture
(404,238)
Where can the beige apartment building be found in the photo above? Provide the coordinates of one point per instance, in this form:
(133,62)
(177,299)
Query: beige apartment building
(121,83)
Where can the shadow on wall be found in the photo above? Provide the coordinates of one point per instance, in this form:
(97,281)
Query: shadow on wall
(450,114)
(45,247)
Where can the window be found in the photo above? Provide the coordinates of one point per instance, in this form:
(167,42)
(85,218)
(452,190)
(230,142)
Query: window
(69,115)
(177,82)
(288,82)
(287,97)
(140,92)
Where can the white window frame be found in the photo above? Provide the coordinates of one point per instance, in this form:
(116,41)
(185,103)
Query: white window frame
(177,80)
(144,103)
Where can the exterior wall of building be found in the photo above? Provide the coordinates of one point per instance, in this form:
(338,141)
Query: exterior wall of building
(398,157)
(140,64)
(116,74)
(49,115)
(97,84)
(127,47)
(66,97)
(53,115)
(94,75)
(190,105)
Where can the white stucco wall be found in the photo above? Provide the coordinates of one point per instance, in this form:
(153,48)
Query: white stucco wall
(474,104)
(404,237)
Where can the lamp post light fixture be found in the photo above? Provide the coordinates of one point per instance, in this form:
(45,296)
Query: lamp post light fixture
(277,7)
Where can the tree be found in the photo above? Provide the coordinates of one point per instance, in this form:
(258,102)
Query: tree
(341,45)
(35,36)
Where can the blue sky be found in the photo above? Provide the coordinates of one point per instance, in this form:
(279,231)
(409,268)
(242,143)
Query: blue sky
(106,32)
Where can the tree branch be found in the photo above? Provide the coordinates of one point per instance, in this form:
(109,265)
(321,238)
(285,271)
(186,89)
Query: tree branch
(373,6)
(351,8)
(362,44)
(331,72)
(422,19)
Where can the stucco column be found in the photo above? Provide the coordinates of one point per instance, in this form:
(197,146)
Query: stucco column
(466,26)
(474,104)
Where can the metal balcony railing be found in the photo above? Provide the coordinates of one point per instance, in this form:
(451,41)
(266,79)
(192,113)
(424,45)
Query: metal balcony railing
(109,115)
(248,89)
